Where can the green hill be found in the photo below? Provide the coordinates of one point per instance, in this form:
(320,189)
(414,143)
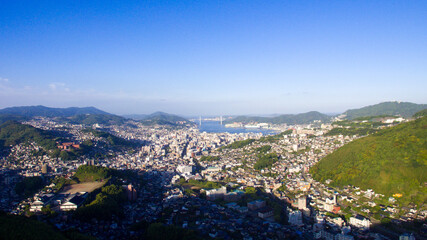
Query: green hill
(302,118)
(161,118)
(421,113)
(12,133)
(87,173)
(393,160)
(404,109)
(111,140)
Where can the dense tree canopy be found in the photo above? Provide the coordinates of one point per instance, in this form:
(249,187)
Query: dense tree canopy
(29,185)
(106,204)
(239,144)
(87,173)
(265,161)
(18,227)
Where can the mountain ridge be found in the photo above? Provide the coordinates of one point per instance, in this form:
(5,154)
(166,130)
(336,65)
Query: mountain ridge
(43,111)
(301,118)
(404,109)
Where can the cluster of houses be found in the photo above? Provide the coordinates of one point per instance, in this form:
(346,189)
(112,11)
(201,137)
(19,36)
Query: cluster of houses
(168,152)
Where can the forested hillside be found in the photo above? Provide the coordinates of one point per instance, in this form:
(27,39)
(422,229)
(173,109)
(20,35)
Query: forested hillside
(391,161)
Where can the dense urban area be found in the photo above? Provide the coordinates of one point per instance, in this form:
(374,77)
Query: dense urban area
(131,180)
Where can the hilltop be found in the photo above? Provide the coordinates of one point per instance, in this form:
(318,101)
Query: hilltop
(393,160)
(404,109)
(302,118)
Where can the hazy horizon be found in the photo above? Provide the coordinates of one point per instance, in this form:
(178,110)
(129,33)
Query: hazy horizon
(213,58)
(211,115)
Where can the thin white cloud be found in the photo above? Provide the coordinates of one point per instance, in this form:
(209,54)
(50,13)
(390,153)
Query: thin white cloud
(5,80)
(60,93)
(58,86)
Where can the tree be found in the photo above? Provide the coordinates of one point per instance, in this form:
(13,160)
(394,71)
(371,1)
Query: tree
(29,185)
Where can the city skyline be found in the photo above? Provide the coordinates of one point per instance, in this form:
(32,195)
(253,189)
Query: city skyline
(213,58)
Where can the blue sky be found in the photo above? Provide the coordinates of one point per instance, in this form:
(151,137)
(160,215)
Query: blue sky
(212,57)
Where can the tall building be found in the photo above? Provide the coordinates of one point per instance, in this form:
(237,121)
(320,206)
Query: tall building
(216,193)
(131,192)
(45,168)
(295,217)
(302,203)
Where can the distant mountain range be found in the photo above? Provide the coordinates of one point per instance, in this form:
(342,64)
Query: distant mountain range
(404,109)
(34,111)
(92,115)
(75,115)
(390,161)
(302,118)
(88,116)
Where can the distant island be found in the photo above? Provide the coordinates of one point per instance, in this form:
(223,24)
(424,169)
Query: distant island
(302,118)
